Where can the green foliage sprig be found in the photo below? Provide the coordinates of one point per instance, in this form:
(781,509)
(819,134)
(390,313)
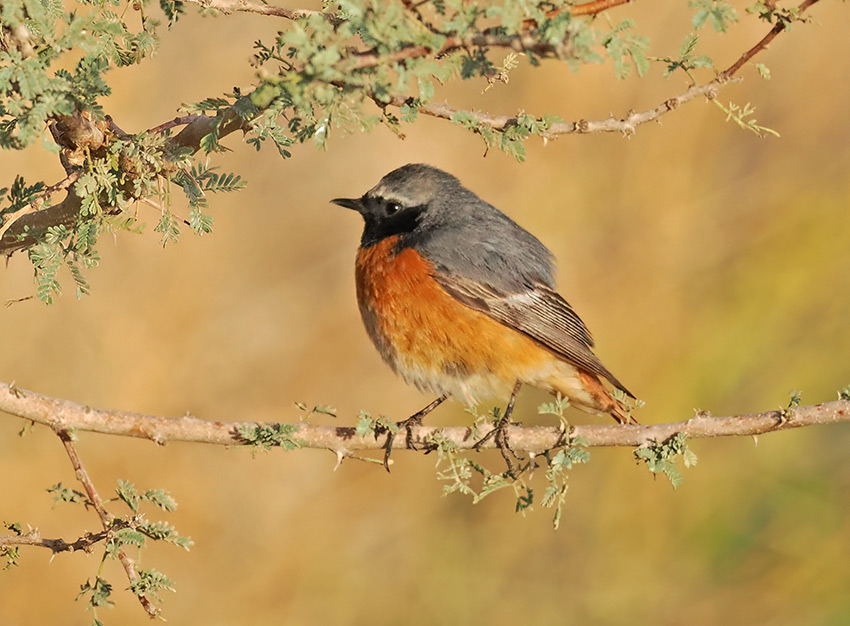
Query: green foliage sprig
(132,530)
(661,457)
(267,436)
(464,475)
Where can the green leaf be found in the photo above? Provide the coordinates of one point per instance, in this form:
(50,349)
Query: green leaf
(169,227)
(159,498)
(660,458)
(200,222)
(150,582)
(128,494)
(719,13)
(556,407)
(365,425)
(796,398)
(162,531)
(63,494)
(96,594)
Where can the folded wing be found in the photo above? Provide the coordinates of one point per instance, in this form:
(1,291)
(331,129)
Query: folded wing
(539,312)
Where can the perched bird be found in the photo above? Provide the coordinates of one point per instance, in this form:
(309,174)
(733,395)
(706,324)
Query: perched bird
(460,300)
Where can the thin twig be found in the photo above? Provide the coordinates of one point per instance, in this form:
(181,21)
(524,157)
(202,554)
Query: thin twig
(61,414)
(763,43)
(177,121)
(106,518)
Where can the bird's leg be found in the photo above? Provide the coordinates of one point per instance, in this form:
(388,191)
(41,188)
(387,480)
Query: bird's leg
(500,431)
(413,420)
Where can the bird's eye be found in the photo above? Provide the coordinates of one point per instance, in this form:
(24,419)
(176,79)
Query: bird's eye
(392,208)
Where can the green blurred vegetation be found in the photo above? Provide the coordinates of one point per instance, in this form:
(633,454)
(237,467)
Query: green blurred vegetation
(711,265)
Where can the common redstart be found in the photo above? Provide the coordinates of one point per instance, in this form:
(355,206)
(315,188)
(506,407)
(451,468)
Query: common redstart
(460,300)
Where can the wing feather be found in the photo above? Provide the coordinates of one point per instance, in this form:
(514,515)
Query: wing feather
(539,312)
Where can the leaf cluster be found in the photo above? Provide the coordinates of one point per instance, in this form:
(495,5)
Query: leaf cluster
(375,426)
(267,436)
(661,457)
(462,474)
(719,13)
(687,60)
(773,14)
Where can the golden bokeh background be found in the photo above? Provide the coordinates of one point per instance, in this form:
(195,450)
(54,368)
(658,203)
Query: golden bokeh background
(712,266)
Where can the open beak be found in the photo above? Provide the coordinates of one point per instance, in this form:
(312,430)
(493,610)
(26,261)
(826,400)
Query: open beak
(355,204)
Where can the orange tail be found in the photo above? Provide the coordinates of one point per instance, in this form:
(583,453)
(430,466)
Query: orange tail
(603,401)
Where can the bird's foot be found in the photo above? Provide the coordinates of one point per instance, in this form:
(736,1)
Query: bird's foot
(407,425)
(500,432)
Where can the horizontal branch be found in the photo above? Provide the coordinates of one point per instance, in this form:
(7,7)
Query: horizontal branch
(626,125)
(65,415)
(34,538)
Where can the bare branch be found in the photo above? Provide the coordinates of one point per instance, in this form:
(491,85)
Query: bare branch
(62,414)
(80,472)
(34,538)
(177,121)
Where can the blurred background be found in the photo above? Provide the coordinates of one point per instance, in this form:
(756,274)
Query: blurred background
(711,265)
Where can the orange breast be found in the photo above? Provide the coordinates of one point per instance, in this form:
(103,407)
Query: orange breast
(433,340)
